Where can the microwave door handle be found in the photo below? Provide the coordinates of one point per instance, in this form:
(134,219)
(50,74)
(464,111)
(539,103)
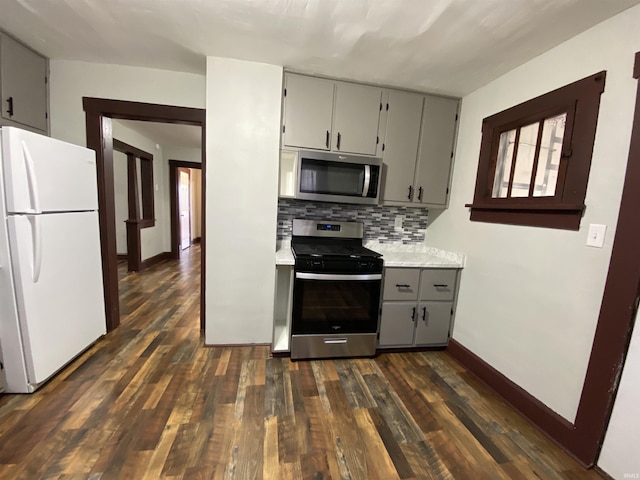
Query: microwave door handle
(367,180)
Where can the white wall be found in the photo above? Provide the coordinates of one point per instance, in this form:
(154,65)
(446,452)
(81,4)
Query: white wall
(121,195)
(171,152)
(243,139)
(157,239)
(619,454)
(530,297)
(71,80)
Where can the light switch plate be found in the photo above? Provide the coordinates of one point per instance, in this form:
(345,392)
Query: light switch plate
(595,237)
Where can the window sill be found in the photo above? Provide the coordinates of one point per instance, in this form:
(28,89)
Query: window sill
(559,216)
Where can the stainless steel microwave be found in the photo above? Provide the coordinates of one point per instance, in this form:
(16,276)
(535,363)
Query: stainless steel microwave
(336,177)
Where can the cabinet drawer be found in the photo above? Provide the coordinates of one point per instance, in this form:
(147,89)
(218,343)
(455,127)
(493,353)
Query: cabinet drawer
(401,283)
(438,284)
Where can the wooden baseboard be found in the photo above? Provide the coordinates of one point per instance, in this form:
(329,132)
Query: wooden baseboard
(602,473)
(557,428)
(123,256)
(196,240)
(151,261)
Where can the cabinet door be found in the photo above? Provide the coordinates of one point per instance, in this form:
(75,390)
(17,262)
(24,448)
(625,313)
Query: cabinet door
(397,323)
(436,150)
(437,284)
(24,88)
(356,115)
(401,145)
(433,320)
(401,283)
(308,106)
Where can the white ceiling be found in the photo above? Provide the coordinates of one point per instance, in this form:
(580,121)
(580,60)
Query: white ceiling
(440,46)
(165,134)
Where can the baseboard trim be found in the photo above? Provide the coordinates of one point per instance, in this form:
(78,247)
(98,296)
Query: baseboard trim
(151,261)
(602,473)
(557,428)
(196,240)
(123,256)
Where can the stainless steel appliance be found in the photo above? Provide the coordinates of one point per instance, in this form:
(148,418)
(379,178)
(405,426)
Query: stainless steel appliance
(336,291)
(336,177)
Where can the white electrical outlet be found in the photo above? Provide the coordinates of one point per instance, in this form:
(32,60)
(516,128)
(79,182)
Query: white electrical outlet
(399,221)
(595,237)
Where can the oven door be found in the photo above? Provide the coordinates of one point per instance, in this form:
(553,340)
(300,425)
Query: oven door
(326,303)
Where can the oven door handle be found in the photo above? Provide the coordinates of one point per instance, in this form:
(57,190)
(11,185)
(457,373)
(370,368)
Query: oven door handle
(367,180)
(336,276)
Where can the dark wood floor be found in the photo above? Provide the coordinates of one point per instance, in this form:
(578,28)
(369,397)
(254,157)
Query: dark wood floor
(150,401)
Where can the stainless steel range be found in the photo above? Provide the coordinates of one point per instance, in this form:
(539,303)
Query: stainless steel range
(336,291)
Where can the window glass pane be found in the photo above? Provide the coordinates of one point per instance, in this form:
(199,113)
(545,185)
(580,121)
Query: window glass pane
(549,159)
(524,160)
(503,164)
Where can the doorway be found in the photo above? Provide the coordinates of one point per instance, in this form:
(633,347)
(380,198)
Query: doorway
(184,206)
(195,170)
(99,113)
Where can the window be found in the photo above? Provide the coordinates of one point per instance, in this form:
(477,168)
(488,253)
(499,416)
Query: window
(535,158)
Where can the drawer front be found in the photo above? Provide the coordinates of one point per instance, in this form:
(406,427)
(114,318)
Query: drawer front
(401,283)
(438,284)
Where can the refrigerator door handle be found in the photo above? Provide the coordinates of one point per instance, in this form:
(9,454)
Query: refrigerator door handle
(36,228)
(31,177)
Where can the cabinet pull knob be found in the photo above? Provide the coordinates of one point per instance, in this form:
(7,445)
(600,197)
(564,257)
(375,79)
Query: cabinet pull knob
(413,314)
(10,109)
(402,285)
(326,142)
(420,193)
(440,285)
(410,192)
(338,142)
(425,318)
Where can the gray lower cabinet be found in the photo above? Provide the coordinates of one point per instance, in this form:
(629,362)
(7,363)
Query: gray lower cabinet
(417,307)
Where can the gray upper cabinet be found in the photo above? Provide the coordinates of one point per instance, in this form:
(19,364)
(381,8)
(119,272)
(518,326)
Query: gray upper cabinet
(23,85)
(356,116)
(325,114)
(435,155)
(308,110)
(401,144)
(418,149)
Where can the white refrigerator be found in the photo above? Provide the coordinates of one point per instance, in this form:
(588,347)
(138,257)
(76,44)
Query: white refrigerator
(51,290)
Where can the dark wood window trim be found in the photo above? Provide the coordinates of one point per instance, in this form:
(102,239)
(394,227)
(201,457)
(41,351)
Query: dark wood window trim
(584,438)
(581,102)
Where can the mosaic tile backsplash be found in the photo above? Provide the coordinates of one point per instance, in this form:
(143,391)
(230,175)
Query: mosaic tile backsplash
(378,220)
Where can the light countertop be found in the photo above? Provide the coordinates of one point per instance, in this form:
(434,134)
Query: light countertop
(415,255)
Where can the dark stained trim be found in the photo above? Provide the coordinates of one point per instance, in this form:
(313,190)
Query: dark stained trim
(99,113)
(196,240)
(173,201)
(134,243)
(549,422)
(151,261)
(122,147)
(99,138)
(602,473)
(583,439)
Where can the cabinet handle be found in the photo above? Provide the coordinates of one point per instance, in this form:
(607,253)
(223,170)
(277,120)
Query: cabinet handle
(402,285)
(420,193)
(410,192)
(425,318)
(440,285)
(413,314)
(326,142)
(10,109)
(338,142)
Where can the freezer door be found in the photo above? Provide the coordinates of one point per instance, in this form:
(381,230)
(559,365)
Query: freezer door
(58,281)
(42,174)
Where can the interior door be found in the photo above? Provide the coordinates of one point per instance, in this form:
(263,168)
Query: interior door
(184,207)
(58,277)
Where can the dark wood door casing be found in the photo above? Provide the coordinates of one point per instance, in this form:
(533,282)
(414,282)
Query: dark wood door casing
(174,165)
(99,112)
